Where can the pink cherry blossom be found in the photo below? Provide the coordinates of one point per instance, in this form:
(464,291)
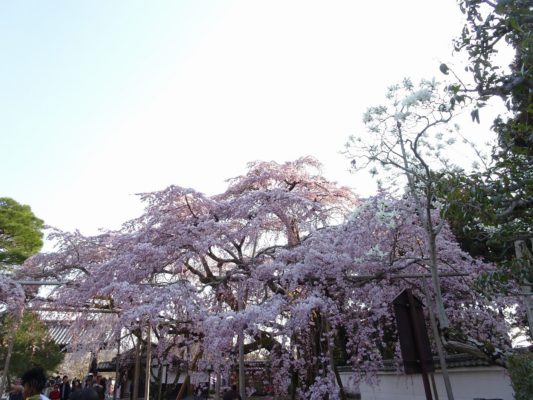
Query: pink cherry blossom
(294,261)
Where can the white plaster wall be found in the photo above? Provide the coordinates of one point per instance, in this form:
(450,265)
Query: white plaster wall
(348,382)
(467,384)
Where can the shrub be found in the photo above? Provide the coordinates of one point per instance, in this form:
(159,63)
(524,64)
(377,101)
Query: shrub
(521,372)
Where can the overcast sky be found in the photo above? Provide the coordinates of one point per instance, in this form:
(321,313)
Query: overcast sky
(100,100)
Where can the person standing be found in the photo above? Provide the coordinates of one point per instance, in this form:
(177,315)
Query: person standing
(55,394)
(64,388)
(76,385)
(232,394)
(103,383)
(89,381)
(33,382)
(16,391)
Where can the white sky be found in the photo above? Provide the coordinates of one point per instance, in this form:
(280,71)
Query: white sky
(102,101)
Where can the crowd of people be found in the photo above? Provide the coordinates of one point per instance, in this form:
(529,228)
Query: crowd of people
(34,385)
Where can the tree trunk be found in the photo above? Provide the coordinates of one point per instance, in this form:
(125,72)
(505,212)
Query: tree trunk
(330,347)
(294,384)
(438,343)
(524,256)
(423,207)
(17,319)
(444,323)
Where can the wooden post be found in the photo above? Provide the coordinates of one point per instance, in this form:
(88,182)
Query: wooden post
(137,371)
(148,375)
(217,386)
(117,370)
(433,385)
(187,380)
(418,341)
(240,341)
(159,379)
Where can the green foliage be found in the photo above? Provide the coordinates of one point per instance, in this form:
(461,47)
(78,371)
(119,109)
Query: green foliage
(472,217)
(487,25)
(494,207)
(476,215)
(33,345)
(521,373)
(20,232)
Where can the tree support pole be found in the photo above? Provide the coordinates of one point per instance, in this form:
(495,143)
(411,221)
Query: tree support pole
(117,370)
(183,388)
(187,380)
(148,371)
(418,341)
(433,385)
(217,386)
(137,370)
(160,379)
(240,340)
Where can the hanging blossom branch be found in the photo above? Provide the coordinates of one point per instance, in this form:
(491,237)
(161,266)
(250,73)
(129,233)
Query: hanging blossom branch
(12,296)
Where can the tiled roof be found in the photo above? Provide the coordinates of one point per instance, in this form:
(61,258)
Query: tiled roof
(452,361)
(106,366)
(59,332)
